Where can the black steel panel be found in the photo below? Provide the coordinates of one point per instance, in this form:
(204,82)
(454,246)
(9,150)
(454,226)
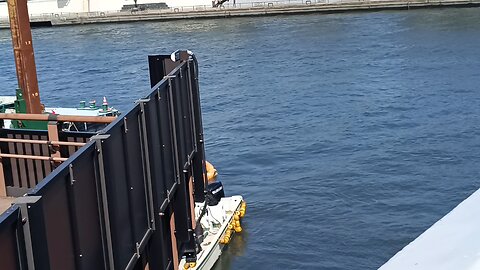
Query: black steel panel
(160,248)
(10,227)
(118,194)
(54,241)
(157,68)
(199,172)
(184,92)
(56,208)
(155,147)
(181,206)
(125,177)
(190,81)
(181,203)
(136,176)
(168,153)
(89,249)
(38,236)
(178,121)
(69,224)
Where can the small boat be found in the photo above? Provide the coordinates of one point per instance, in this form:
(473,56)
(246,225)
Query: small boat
(219,226)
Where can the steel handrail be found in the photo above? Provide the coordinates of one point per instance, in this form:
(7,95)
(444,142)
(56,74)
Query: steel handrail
(42,142)
(56,159)
(58,118)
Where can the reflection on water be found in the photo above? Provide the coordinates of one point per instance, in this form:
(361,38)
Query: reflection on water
(235,249)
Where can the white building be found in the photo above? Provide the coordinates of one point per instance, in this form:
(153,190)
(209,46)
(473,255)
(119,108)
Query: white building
(37,7)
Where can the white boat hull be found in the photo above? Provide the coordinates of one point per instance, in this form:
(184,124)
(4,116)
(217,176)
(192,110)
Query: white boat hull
(212,245)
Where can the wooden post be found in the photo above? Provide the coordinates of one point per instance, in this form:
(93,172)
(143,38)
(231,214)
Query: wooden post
(174,242)
(192,202)
(53,136)
(3,188)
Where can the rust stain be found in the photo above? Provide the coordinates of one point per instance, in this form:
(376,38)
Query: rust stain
(24,56)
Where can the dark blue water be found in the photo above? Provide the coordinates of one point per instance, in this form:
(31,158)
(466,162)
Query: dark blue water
(348,134)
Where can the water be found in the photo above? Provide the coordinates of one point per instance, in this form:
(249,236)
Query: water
(348,134)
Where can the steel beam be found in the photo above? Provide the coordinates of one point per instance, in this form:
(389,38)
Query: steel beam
(23,52)
(23,202)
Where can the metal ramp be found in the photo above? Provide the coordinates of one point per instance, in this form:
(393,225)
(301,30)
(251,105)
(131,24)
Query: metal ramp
(450,244)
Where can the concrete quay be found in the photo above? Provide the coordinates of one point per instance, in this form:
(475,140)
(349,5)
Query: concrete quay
(255,9)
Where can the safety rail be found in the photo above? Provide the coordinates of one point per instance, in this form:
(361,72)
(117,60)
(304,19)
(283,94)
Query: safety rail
(37,152)
(57,118)
(125,198)
(42,142)
(28,156)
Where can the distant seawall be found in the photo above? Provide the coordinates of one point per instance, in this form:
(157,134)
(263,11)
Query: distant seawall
(255,9)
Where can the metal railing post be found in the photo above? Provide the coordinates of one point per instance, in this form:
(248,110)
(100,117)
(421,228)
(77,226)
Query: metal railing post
(146,164)
(103,202)
(23,203)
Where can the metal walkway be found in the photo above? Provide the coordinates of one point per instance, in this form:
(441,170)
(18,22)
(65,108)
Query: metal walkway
(450,244)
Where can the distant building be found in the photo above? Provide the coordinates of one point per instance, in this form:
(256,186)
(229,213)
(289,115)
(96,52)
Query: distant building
(38,7)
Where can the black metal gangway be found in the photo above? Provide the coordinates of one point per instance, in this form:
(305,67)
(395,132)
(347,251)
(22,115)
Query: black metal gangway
(125,199)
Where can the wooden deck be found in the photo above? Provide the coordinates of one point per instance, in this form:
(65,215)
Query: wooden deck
(5,203)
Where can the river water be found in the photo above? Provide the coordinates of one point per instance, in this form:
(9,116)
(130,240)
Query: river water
(348,134)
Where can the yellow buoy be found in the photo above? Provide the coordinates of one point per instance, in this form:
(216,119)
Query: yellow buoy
(227,240)
(211,172)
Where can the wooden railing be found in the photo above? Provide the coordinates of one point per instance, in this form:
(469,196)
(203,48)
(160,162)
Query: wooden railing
(27,156)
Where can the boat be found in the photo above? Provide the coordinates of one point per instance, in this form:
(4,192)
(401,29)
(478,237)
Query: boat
(219,227)
(135,194)
(14,104)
